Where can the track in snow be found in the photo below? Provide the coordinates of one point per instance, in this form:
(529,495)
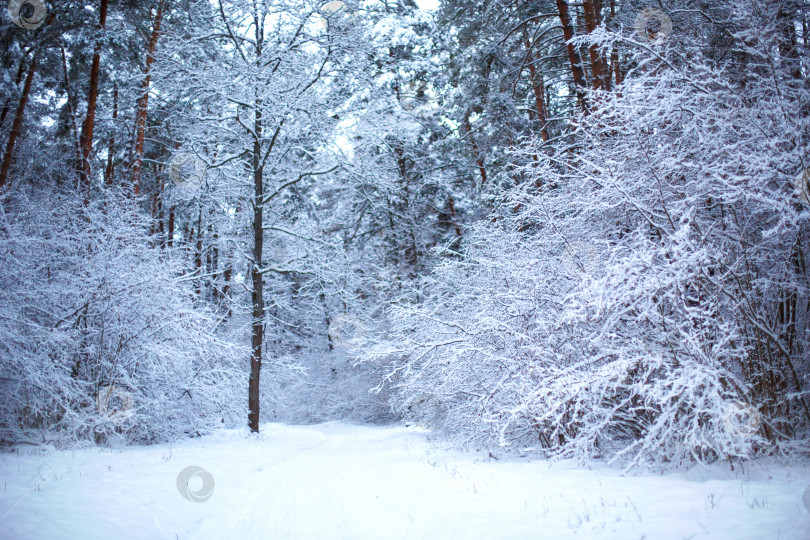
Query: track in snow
(341,481)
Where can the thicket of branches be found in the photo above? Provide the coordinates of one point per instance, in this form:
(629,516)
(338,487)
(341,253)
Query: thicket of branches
(101,335)
(642,293)
(211,188)
(567,227)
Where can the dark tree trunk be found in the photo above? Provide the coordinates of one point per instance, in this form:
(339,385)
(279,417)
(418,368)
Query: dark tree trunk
(574,57)
(143,103)
(227,273)
(153,224)
(214,257)
(479,160)
(161,224)
(538,86)
(257,294)
(258,281)
(86,140)
(16,128)
(110,170)
(170,239)
(198,255)
(601,75)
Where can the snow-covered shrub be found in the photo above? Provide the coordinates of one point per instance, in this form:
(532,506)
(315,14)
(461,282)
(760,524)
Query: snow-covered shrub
(647,284)
(99,331)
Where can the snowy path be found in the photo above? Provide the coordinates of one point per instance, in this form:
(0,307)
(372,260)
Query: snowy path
(341,481)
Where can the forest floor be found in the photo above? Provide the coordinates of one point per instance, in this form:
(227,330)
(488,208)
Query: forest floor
(343,481)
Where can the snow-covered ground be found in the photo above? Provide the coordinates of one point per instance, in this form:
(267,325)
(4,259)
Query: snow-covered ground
(341,481)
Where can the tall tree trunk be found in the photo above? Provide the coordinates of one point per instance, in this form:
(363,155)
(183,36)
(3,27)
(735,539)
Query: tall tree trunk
(198,248)
(214,258)
(257,337)
(226,283)
(601,76)
(537,84)
(143,103)
(86,140)
(110,170)
(16,127)
(476,151)
(574,57)
(170,240)
(257,294)
(161,224)
(153,224)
